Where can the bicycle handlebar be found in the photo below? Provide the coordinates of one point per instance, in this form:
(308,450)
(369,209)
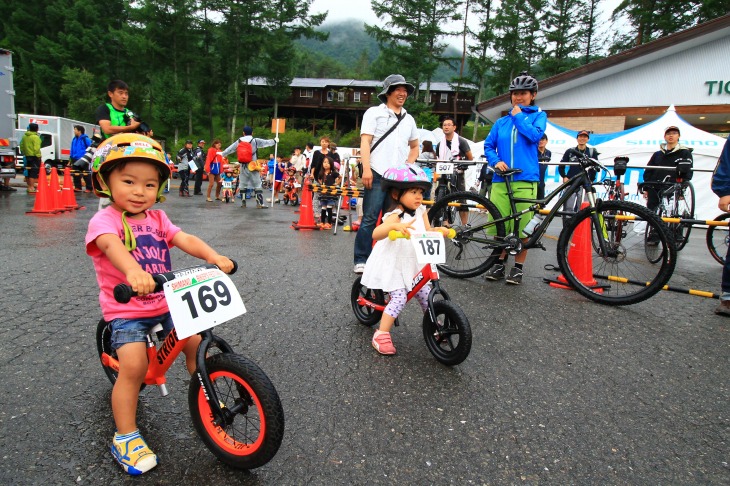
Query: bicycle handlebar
(394,235)
(123,293)
(452,161)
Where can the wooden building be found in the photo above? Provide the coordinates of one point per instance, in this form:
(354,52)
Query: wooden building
(345,100)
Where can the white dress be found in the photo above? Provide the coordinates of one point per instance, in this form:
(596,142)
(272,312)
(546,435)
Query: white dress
(392,264)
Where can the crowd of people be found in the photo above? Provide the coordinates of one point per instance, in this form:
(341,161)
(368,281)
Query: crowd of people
(130,171)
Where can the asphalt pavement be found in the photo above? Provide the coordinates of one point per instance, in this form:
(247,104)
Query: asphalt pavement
(556,390)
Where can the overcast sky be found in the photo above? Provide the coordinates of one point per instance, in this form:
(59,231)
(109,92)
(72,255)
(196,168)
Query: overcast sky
(361,10)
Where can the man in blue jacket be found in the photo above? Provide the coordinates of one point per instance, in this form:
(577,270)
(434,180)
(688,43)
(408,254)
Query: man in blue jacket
(721,187)
(512,144)
(79,144)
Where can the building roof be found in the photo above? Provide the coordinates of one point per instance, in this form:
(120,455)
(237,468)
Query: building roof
(322,83)
(634,58)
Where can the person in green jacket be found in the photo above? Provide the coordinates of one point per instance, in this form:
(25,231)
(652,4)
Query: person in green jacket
(30,145)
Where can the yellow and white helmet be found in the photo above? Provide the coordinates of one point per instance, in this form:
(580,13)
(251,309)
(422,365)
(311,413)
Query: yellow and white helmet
(127,147)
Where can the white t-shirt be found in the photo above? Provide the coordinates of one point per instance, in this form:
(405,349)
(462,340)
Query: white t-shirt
(394,150)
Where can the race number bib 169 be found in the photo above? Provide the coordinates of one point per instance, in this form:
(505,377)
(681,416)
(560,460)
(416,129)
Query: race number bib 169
(444,168)
(201,300)
(429,247)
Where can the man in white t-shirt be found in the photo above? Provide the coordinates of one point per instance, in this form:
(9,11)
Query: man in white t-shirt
(381,149)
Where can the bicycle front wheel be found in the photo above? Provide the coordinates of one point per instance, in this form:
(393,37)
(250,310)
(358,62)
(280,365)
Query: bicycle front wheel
(254,418)
(684,208)
(718,238)
(449,338)
(476,245)
(619,271)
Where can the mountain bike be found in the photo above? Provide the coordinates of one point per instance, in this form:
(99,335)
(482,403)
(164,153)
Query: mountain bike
(616,229)
(676,200)
(445,177)
(234,407)
(445,326)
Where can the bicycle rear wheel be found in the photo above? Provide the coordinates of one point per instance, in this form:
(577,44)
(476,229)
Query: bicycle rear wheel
(254,418)
(619,272)
(472,251)
(364,313)
(718,238)
(684,208)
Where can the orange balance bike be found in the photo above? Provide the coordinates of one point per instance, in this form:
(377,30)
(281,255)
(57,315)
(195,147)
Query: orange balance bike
(234,407)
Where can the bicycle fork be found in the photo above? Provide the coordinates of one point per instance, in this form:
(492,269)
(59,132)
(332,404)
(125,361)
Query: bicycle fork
(222,416)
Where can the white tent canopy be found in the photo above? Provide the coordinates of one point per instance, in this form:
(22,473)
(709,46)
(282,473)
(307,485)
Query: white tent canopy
(641,142)
(638,144)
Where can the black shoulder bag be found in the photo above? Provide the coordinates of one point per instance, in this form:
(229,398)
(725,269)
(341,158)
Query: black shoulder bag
(375,145)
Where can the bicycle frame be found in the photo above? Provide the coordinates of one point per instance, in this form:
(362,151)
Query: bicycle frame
(161,359)
(429,273)
(575,184)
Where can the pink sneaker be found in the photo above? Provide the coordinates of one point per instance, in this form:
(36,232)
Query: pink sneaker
(382,343)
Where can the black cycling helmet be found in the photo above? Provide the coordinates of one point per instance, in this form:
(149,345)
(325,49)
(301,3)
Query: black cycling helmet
(523,82)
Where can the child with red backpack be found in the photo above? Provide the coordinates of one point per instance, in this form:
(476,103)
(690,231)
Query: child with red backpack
(249,176)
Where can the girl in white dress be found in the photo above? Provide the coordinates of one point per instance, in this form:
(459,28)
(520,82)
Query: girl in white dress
(392,264)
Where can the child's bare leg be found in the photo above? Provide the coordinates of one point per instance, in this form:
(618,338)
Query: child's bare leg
(191,351)
(125,394)
(386,323)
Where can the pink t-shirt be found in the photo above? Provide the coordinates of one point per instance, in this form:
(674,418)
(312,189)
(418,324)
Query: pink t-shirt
(154,236)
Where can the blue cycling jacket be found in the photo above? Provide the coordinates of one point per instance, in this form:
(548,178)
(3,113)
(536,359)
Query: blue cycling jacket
(513,140)
(721,176)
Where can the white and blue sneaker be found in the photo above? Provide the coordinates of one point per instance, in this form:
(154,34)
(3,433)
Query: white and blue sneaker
(132,453)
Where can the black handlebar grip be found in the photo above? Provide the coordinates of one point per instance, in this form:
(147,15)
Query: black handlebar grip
(123,293)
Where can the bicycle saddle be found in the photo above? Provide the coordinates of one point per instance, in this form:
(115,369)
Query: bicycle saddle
(508,172)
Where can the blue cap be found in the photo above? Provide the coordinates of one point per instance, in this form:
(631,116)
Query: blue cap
(247,130)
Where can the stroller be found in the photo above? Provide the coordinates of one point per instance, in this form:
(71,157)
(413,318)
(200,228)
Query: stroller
(291,187)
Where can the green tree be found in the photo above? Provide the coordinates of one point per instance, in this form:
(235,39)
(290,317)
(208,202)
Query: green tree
(587,33)
(479,61)
(652,19)
(562,36)
(81,93)
(508,44)
(411,37)
(287,20)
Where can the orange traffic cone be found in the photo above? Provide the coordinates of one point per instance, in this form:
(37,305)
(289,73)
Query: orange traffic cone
(55,191)
(68,198)
(43,203)
(306,213)
(580,257)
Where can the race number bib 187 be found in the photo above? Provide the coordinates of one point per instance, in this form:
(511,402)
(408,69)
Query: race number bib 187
(444,168)
(201,300)
(429,247)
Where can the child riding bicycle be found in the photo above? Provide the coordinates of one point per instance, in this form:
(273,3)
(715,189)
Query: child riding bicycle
(127,242)
(392,264)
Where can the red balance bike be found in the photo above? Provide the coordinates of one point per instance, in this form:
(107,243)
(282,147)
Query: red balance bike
(445,326)
(234,407)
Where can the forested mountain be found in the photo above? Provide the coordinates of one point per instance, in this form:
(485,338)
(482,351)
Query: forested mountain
(349,52)
(188,61)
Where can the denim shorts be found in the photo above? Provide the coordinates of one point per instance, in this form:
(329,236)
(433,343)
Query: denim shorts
(135,330)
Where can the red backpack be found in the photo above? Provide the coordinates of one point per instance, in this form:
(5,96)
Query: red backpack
(244,151)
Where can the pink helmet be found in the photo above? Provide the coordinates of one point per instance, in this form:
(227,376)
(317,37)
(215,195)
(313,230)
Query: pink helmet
(405,176)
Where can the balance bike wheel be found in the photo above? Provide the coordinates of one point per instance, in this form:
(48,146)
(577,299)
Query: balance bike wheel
(254,426)
(449,338)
